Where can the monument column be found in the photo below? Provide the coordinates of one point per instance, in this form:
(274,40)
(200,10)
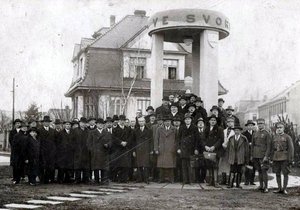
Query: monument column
(156,69)
(208,82)
(196,65)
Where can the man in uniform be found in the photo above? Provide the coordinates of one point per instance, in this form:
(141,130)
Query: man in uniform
(282,156)
(229,111)
(260,154)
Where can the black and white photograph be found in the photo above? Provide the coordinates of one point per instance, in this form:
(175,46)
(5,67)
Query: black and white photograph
(148,104)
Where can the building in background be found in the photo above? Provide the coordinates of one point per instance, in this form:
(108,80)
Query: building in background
(111,75)
(284,104)
(247,110)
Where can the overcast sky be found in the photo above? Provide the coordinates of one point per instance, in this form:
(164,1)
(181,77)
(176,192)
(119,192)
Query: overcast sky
(260,56)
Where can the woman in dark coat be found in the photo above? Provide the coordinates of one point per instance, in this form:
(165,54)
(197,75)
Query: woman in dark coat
(64,153)
(33,151)
(214,138)
(81,152)
(142,138)
(99,142)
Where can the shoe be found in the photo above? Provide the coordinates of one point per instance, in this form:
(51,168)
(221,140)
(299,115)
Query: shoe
(252,183)
(266,190)
(246,183)
(217,185)
(15,182)
(278,191)
(259,188)
(32,184)
(284,192)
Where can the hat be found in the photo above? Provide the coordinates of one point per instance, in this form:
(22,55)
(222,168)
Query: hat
(74,121)
(183,97)
(122,117)
(57,121)
(83,119)
(176,118)
(167,117)
(249,122)
(149,107)
(91,118)
(198,99)
(24,124)
(190,105)
(46,119)
(67,121)
(212,116)
(152,114)
(159,117)
(17,120)
(200,119)
(260,121)
(214,107)
(108,119)
(230,119)
(33,129)
(174,104)
(221,99)
(115,117)
(188,115)
(279,123)
(237,126)
(165,98)
(193,95)
(229,108)
(100,120)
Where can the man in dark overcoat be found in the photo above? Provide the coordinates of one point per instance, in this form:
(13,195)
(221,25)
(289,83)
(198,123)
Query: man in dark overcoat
(122,145)
(142,138)
(33,155)
(99,142)
(48,151)
(65,153)
(150,111)
(17,126)
(81,152)
(187,147)
(164,109)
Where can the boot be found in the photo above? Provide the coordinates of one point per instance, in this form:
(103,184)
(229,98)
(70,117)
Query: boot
(285,183)
(238,180)
(247,176)
(260,176)
(231,180)
(224,179)
(278,180)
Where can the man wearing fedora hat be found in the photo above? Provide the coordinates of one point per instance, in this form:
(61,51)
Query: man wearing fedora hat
(200,170)
(238,155)
(178,170)
(182,105)
(174,111)
(16,128)
(200,109)
(260,154)
(58,125)
(48,151)
(165,148)
(150,111)
(187,146)
(249,172)
(164,109)
(92,123)
(81,152)
(229,111)
(33,151)
(216,112)
(223,112)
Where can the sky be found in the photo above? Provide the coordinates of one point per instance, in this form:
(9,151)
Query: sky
(261,56)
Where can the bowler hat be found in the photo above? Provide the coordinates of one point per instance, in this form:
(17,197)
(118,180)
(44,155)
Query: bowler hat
(221,99)
(214,108)
(177,118)
(212,116)
(115,117)
(230,108)
(83,119)
(17,120)
(198,99)
(249,122)
(192,105)
(67,121)
(149,107)
(200,119)
(237,126)
(46,119)
(174,104)
(108,119)
(33,129)
(74,121)
(165,98)
(92,118)
(100,120)
(188,115)
(260,121)
(57,121)
(122,117)
(167,117)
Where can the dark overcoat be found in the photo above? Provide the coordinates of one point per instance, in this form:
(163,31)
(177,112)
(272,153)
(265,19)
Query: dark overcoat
(142,143)
(33,151)
(121,155)
(241,153)
(81,152)
(162,110)
(12,133)
(98,145)
(165,144)
(187,140)
(19,145)
(48,148)
(65,150)
(214,137)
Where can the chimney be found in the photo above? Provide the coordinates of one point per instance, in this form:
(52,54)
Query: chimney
(141,13)
(112,20)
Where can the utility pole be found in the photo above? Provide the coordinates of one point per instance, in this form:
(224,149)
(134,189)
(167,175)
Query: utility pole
(13,105)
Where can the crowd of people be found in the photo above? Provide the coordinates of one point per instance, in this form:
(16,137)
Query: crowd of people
(176,142)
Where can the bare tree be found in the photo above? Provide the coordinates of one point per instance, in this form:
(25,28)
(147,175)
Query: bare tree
(4,121)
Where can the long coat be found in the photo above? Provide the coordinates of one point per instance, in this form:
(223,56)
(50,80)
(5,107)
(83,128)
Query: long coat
(47,143)
(241,154)
(12,133)
(224,166)
(214,137)
(261,144)
(33,151)
(187,142)
(81,152)
(142,142)
(98,145)
(165,144)
(120,154)
(65,150)
(162,110)
(19,145)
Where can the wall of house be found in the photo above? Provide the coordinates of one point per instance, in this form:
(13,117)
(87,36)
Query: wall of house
(293,105)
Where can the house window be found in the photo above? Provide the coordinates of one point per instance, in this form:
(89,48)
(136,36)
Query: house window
(142,104)
(137,68)
(90,106)
(115,106)
(172,73)
(76,107)
(170,69)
